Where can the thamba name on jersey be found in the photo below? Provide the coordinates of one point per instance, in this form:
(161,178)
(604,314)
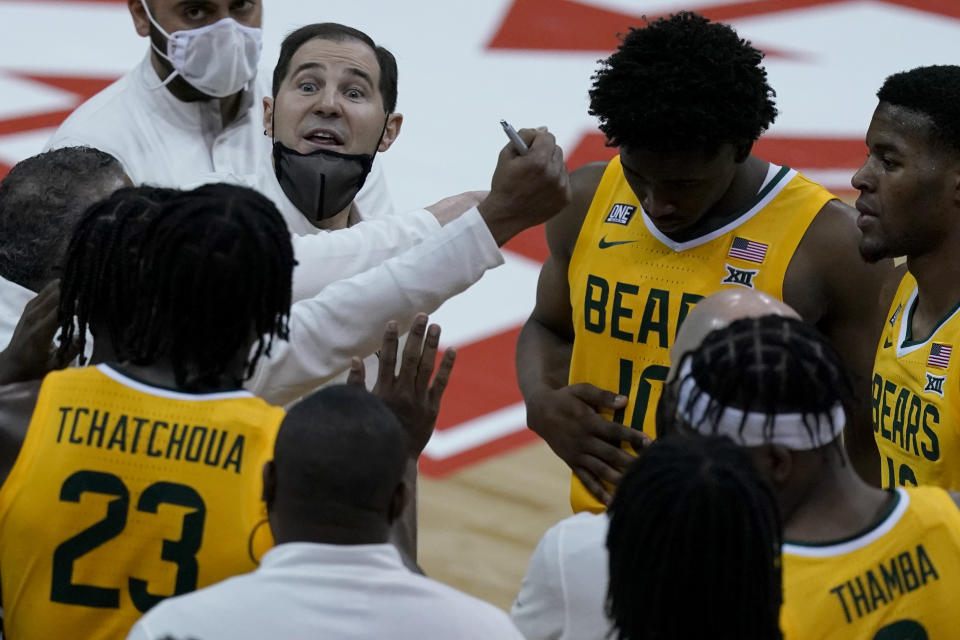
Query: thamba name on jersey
(901,574)
(631,287)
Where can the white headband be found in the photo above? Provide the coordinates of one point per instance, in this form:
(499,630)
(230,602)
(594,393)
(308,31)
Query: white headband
(795,431)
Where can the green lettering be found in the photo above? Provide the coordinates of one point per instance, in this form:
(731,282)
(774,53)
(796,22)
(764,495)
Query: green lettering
(155,453)
(877,596)
(598,305)
(119,435)
(910,579)
(619,311)
(891,578)
(73,437)
(913,424)
(235,455)
(899,417)
(888,388)
(63,420)
(926,565)
(97,428)
(933,452)
(838,591)
(656,317)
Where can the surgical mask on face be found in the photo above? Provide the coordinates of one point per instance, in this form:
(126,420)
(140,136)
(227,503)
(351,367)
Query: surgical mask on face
(218,59)
(322,183)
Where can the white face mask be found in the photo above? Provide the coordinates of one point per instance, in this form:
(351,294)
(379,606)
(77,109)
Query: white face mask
(218,59)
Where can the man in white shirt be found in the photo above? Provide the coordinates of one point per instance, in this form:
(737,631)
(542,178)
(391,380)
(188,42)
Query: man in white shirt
(193,104)
(334,488)
(563,593)
(41,200)
(333,108)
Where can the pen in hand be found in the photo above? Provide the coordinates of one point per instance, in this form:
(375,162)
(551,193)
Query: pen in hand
(518,144)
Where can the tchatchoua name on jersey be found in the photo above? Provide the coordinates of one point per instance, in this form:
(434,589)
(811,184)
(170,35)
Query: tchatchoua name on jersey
(153,438)
(876,587)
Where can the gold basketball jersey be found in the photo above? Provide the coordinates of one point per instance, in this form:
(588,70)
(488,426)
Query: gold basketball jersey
(896,581)
(916,398)
(124,494)
(631,286)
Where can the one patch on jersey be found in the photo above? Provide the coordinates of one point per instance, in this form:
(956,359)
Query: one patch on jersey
(749,250)
(621,214)
(893,318)
(740,277)
(934,384)
(939,355)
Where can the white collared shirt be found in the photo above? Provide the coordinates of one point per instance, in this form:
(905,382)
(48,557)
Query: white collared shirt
(13,299)
(563,594)
(309,591)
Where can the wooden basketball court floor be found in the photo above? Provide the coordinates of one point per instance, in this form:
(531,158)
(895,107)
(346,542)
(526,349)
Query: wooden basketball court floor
(479,526)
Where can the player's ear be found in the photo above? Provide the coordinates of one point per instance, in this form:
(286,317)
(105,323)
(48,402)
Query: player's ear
(140,21)
(390,131)
(269,483)
(398,502)
(268,116)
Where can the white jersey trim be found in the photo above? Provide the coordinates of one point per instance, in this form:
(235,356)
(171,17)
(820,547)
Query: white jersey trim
(831,550)
(733,224)
(136,385)
(907,316)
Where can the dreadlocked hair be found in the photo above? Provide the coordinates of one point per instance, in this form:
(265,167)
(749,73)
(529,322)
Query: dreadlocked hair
(682,83)
(101,268)
(216,268)
(692,522)
(769,365)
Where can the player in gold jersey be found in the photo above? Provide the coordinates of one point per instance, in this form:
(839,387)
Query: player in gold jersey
(858,561)
(683,211)
(139,478)
(909,201)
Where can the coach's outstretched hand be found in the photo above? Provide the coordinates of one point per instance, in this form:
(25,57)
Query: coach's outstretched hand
(528,188)
(411,394)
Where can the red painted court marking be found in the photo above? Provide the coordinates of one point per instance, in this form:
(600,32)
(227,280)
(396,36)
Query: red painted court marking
(84,87)
(576,26)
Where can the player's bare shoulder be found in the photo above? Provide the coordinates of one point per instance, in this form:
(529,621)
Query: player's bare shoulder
(827,266)
(563,229)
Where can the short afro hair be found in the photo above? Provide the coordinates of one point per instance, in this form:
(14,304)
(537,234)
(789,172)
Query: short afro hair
(682,83)
(933,91)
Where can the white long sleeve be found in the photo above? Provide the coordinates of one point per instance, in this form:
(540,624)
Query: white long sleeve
(329,256)
(347,317)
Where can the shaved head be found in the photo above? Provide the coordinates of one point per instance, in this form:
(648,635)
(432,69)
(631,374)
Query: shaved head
(340,451)
(717,311)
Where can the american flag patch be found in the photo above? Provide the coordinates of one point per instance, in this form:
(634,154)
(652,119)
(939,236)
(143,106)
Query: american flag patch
(939,355)
(748,250)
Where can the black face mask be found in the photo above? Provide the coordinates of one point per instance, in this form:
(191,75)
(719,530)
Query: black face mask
(322,183)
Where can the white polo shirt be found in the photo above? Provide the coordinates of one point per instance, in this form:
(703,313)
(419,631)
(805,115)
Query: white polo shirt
(309,591)
(564,592)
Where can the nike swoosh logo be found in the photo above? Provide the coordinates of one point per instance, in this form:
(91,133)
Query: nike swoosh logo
(887,344)
(606,245)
